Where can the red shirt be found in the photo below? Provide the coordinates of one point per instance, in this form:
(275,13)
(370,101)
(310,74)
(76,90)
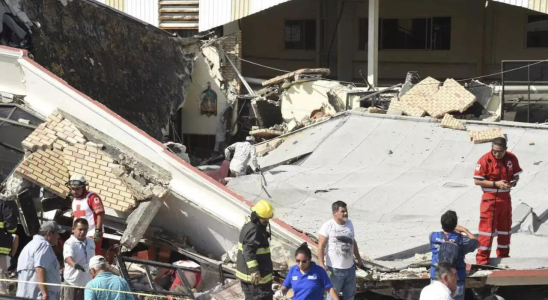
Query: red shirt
(491,169)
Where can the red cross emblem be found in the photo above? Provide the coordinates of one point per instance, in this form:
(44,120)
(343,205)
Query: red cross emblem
(79,213)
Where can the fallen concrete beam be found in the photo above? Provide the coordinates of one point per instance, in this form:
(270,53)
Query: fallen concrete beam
(140,218)
(281,78)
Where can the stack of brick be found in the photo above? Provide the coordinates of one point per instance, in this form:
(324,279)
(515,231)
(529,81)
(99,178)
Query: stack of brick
(486,135)
(429,97)
(449,121)
(60,151)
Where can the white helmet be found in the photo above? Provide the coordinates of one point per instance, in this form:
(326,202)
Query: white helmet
(250,139)
(77,180)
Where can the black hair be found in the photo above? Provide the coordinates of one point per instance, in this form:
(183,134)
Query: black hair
(500,141)
(303,248)
(336,205)
(80,221)
(442,269)
(449,221)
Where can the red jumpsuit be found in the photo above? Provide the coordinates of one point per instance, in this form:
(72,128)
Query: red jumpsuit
(496,205)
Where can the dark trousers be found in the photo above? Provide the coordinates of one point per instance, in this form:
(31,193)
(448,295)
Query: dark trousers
(257,292)
(69,293)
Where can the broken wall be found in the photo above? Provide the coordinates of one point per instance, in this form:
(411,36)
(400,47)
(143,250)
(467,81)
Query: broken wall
(212,66)
(140,72)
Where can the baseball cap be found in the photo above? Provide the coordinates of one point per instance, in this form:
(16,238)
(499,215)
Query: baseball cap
(97,262)
(51,226)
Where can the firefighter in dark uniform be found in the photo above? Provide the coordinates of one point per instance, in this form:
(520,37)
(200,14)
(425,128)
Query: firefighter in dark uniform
(8,226)
(254,265)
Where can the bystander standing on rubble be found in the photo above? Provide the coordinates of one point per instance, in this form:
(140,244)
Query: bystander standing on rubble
(87,205)
(253,263)
(497,172)
(8,240)
(444,285)
(38,263)
(108,283)
(308,280)
(77,252)
(452,233)
(338,235)
(241,154)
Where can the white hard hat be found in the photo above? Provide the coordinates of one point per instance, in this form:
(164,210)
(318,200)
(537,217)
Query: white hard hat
(77,180)
(250,138)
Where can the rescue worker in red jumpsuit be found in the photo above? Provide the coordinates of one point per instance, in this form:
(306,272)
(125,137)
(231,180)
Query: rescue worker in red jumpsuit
(497,172)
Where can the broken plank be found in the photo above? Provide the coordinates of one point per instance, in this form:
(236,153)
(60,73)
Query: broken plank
(281,78)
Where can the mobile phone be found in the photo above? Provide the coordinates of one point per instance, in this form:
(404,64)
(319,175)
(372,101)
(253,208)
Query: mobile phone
(513,182)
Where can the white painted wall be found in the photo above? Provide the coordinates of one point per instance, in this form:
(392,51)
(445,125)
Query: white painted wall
(44,93)
(193,121)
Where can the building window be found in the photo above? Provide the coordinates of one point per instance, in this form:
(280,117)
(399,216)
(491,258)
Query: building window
(363,32)
(537,31)
(416,33)
(300,34)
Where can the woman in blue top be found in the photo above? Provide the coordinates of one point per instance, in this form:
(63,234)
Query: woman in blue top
(308,280)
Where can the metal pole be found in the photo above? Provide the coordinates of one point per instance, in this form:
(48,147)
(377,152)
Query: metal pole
(502,91)
(528,93)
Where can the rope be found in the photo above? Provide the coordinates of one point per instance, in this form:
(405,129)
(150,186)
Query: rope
(460,80)
(93,289)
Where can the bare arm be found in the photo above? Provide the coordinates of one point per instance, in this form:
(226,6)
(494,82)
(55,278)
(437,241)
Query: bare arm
(100,218)
(14,246)
(70,261)
(322,241)
(284,290)
(465,230)
(41,277)
(357,254)
(333,294)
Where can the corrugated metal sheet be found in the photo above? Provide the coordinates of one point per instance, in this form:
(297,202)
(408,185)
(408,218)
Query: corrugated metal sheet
(118,4)
(536,5)
(215,13)
(145,10)
(179,14)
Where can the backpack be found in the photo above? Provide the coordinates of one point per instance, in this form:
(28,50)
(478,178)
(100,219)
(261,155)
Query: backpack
(449,251)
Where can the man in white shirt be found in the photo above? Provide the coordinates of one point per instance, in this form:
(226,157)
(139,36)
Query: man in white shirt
(242,153)
(338,235)
(77,252)
(444,285)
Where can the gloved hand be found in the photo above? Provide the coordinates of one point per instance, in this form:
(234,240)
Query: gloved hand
(255,278)
(98,235)
(79,268)
(279,294)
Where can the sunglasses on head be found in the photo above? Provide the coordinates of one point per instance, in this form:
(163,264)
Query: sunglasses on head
(304,261)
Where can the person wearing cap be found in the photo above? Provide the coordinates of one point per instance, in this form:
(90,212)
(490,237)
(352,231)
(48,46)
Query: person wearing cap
(105,284)
(38,263)
(242,153)
(87,205)
(253,263)
(77,252)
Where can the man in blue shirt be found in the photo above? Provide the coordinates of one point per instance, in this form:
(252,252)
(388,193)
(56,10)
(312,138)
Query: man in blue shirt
(451,232)
(38,263)
(104,279)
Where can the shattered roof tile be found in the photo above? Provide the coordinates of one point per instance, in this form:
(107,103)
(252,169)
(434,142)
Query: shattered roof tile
(421,94)
(60,152)
(451,97)
(451,122)
(486,135)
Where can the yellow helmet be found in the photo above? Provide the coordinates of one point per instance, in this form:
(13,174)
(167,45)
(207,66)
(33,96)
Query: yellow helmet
(264,209)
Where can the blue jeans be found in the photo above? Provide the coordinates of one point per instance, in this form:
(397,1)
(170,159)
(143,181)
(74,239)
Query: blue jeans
(343,280)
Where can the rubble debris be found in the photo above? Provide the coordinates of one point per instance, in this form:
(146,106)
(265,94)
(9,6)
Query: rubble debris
(531,143)
(451,97)
(486,135)
(265,134)
(409,110)
(230,291)
(482,92)
(490,117)
(394,111)
(449,121)
(421,94)
(267,112)
(140,219)
(376,110)
(281,78)
(59,150)
(179,150)
(265,148)
(293,125)
(411,79)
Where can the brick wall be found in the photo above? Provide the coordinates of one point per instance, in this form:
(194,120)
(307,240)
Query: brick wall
(232,45)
